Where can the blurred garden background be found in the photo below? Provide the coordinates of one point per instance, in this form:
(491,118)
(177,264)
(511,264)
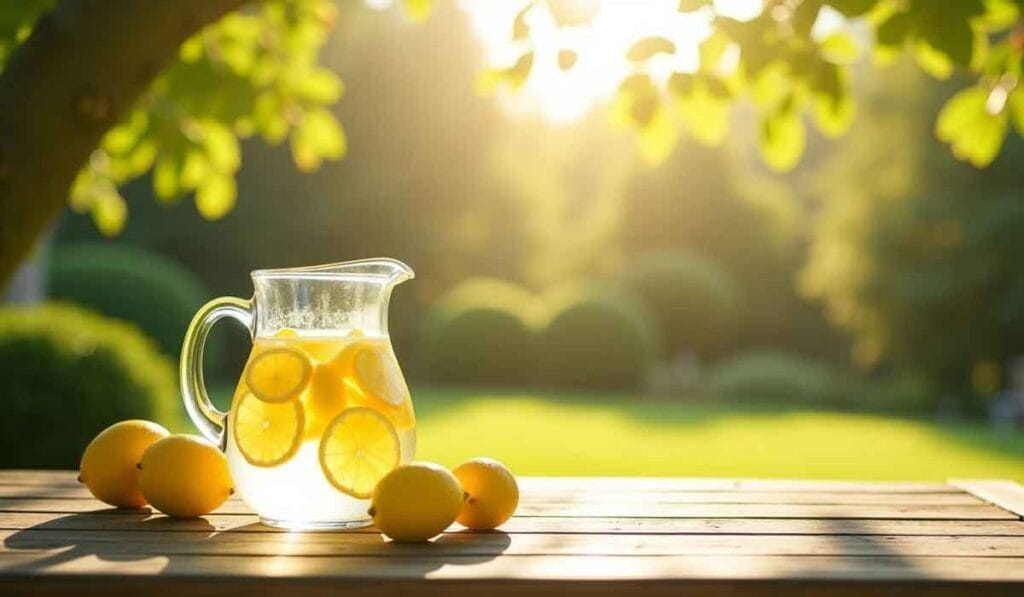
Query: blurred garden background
(592,296)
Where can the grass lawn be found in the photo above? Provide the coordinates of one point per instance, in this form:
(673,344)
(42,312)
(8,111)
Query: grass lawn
(549,434)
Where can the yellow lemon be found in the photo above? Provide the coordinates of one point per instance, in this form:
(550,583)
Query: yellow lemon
(359,447)
(184,476)
(324,400)
(109,461)
(266,433)
(278,374)
(491,493)
(416,501)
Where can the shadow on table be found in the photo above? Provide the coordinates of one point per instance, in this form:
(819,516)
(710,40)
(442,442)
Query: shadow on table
(195,546)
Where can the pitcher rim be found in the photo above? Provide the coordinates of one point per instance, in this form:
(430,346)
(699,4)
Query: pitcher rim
(399,271)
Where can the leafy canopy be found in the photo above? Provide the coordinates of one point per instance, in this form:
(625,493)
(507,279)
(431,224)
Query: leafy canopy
(257,73)
(792,71)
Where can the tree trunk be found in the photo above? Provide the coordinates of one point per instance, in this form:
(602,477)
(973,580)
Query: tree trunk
(85,64)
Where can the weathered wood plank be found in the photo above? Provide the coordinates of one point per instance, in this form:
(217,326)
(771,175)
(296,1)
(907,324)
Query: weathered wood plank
(48,544)
(1005,494)
(68,478)
(535,568)
(144,521)
(622,496)
(613,510)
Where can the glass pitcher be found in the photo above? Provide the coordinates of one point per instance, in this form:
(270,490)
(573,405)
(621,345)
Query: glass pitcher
(321,411)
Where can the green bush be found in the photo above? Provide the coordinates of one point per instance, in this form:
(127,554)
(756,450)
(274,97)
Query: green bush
(147,289)
(65,374)
(902,393)
(481,332)
(695,302)
(773,377)
(597,338)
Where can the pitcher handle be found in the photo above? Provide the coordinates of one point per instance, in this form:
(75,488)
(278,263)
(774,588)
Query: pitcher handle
(206,417)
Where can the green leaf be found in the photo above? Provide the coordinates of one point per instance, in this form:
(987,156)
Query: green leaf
(316,138)
(945,27)
(638,99)
(648,47)
(705,114)
(418,10)
(973,133)
(520,30)
(832,102)
(166,173)
(216,196)
(514,76)
(221,146)
(320,86)
(892,32)
(782,139)
(692,5)
(852,8)
(566,59)
(840,48)
(712,49)
(932,61)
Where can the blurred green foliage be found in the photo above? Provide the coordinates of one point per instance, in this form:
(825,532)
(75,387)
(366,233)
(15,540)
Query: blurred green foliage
(598,337)
(147,289)
(696,303)
(481,332)
(66,374)
(773,377)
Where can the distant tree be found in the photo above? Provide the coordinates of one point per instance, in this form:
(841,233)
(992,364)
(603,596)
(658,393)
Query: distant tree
(922,262)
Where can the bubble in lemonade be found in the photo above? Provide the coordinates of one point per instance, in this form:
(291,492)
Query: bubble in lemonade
(315,423)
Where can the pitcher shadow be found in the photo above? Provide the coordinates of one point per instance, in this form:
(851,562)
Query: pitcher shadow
(196,546)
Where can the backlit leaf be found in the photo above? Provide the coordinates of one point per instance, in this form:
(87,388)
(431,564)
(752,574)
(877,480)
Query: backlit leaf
(520,30)
(840,48)
(570,13)
(1016,106)
(316,138)
(216,196)
(852,8)
(566,59)
(692,5)
(647,48)
(973,133)
(782,139)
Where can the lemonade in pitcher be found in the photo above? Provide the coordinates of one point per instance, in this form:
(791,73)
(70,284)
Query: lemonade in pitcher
(321,411)
(315,422)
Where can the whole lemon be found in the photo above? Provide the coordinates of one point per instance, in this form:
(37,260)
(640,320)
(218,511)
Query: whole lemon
(492,493)
(416,501)
(108,463)
(184,476)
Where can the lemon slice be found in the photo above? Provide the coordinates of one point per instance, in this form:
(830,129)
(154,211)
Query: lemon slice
(377,373)
(278,374)
(325,398)
(267,433)
(359,447)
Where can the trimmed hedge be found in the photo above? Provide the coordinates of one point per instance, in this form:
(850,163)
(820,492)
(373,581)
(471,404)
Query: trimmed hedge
(67,373)
(774,377)
(147,289)
(598,337)
(481,332)
(695,301)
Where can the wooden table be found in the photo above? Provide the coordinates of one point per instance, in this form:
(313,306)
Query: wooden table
(571,536)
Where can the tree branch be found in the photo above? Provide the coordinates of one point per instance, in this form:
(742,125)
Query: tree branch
(85,64)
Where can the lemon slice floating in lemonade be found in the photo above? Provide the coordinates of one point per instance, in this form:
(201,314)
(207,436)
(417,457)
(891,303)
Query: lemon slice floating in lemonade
(324,399)
(267,433)
(278,374)
(378,374)
(359,447)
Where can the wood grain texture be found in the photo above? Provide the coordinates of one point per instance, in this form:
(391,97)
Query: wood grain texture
(585,536)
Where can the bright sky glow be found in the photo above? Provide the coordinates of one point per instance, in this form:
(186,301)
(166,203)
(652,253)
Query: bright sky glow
(564,97)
